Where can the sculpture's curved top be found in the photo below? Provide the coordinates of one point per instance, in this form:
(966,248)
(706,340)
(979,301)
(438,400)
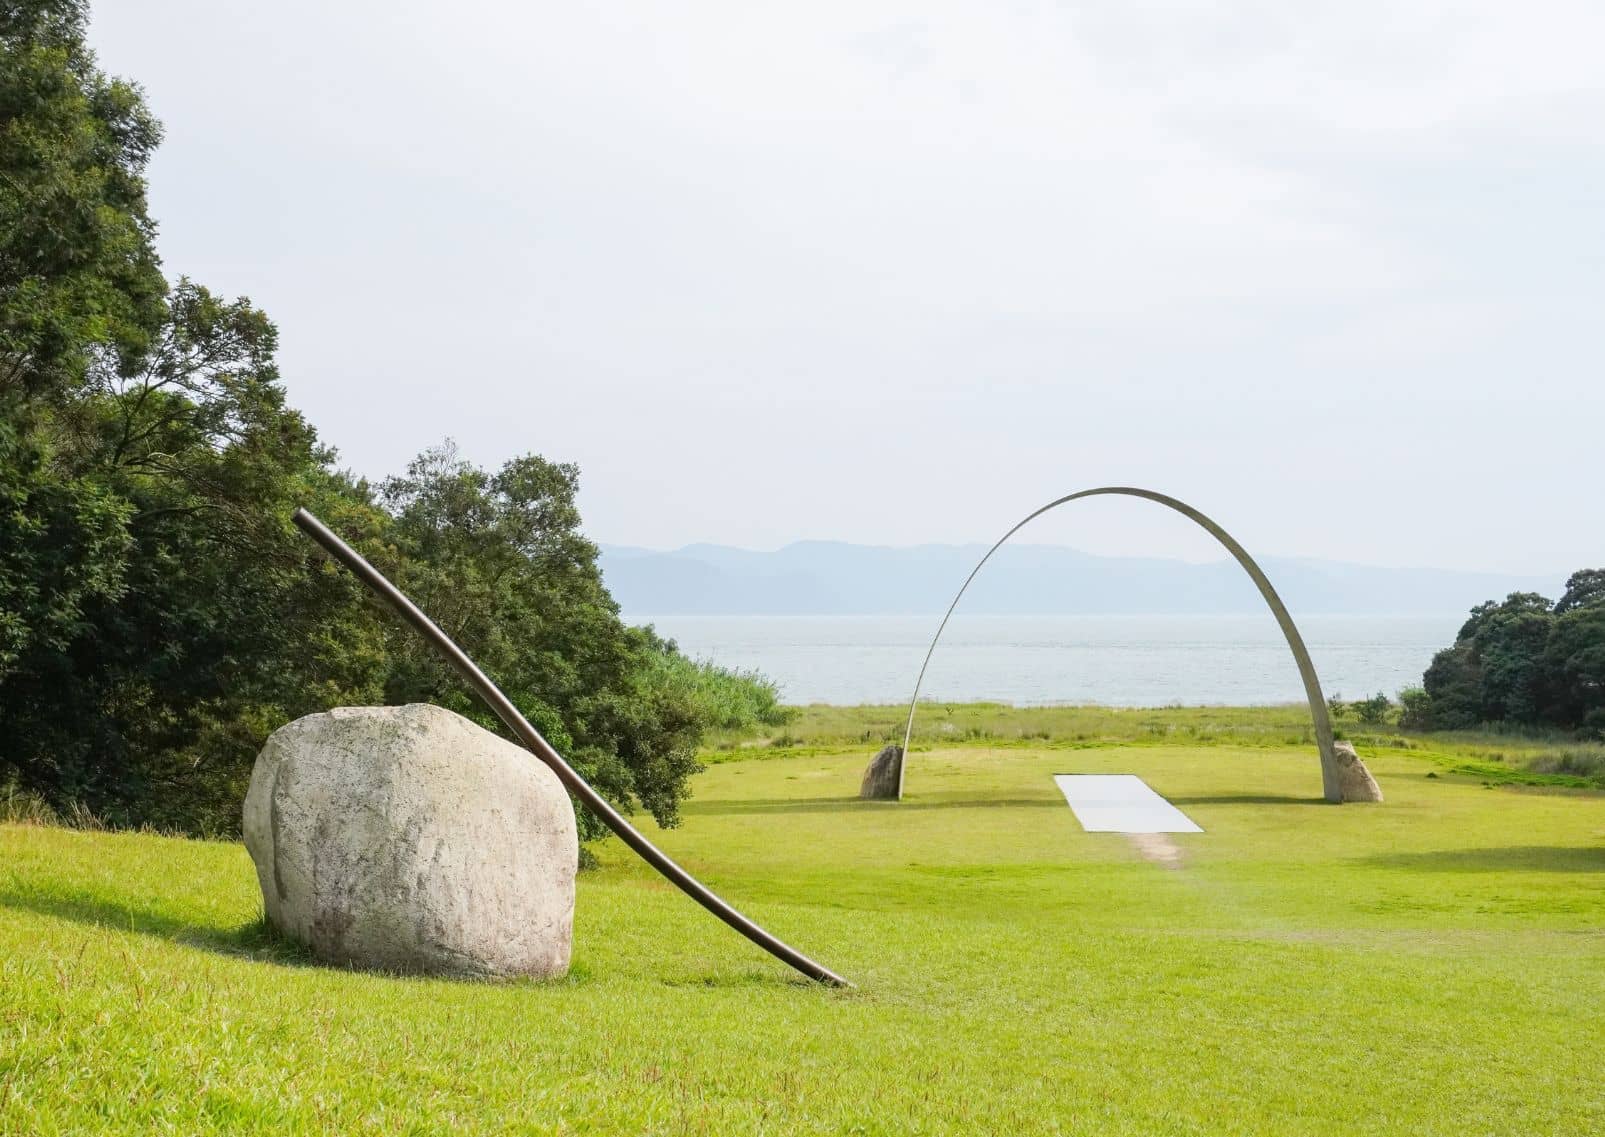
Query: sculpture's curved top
(1330,781)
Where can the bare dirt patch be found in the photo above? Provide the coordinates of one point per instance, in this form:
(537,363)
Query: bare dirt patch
(1158,848)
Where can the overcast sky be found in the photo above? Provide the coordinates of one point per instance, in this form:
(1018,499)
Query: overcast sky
(898,273)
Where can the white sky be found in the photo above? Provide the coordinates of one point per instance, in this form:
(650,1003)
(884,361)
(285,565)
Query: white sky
(897,273)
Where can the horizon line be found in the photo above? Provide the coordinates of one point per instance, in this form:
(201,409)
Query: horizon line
(1559,575)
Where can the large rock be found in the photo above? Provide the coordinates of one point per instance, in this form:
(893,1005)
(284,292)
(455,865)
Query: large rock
(409,839)
(1355,782)
(883,778)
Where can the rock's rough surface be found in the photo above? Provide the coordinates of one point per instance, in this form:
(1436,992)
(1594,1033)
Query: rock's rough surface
(1354,780)
(882,777)
(409,839)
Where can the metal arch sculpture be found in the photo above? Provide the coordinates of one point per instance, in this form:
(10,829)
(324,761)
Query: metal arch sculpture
(531,738)
(1330,779)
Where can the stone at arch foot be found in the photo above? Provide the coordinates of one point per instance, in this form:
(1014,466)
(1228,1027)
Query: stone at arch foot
(1355,782)
(884,773)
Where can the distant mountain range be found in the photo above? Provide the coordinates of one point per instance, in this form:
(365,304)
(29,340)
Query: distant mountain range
(836,578)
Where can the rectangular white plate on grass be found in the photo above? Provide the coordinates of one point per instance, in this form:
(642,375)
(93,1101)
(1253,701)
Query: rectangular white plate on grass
(1121,803)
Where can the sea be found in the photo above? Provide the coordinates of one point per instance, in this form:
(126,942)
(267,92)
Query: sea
(1124,661)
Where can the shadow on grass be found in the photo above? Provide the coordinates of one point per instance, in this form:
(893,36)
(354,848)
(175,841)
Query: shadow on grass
(255,940)
(1244,799)
(742,980)
(839,804)
(1512,858)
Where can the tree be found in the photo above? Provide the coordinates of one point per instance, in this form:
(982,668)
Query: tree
(79,281)
(218,621)
(1574,662)
(1508,648)
(1523,660)
(498,561)
(62,542)
(1494,670)
(1453,686)
(78,273)
(1373,711)
(1415,709)
(1584,588)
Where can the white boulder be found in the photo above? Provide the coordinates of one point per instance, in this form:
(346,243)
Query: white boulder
(409,839)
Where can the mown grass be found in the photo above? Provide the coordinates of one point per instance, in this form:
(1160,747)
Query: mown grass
(1496,754)
(1433,965)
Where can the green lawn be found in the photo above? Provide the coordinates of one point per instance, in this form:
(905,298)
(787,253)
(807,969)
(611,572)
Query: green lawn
(1434,965)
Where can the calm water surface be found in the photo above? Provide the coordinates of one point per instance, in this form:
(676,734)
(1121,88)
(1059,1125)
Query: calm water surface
(1134,661)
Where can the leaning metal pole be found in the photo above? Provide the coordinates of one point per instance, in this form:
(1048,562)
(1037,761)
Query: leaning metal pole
(1306,667)
(531,738)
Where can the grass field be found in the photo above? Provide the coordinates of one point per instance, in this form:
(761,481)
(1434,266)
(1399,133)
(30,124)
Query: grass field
(1434,965)
(1496,754)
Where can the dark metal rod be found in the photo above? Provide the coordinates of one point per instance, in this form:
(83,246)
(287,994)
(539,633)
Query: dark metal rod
(531,738)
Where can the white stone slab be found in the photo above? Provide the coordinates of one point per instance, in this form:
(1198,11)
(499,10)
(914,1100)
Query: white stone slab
(1121,803)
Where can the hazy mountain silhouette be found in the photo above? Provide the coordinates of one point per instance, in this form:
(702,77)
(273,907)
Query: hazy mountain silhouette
(836,578)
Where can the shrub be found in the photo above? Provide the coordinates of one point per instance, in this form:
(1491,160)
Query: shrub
(1374,710)
(1415,709)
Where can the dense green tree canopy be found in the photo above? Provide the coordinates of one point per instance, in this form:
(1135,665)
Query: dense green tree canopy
(78,282)
(158,613)
(1574,663)
(78,274)
(1524,660)
(201,616)
(1584,589)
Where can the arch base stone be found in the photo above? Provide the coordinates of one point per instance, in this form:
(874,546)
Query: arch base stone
(1355,782)
(883,777)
